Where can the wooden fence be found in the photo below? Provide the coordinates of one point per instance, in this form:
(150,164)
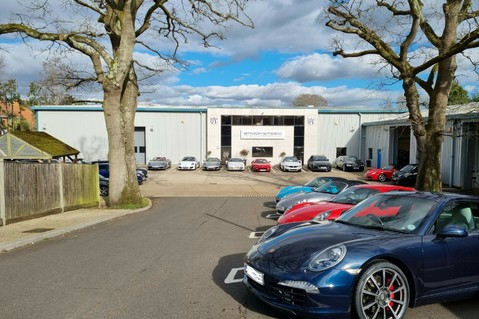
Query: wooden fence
(30,190)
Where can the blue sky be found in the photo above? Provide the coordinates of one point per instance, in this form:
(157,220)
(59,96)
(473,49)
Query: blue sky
(285,55)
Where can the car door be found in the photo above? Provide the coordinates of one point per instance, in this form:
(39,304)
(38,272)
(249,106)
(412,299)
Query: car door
(451,264)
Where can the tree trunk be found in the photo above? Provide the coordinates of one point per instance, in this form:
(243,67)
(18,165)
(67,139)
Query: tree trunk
(119,106)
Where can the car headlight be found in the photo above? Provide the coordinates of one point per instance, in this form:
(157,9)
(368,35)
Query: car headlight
(322,216)
(268,234)
(328,258)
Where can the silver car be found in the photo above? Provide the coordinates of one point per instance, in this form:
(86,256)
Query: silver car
(324,192)
(212,164)
(159,162)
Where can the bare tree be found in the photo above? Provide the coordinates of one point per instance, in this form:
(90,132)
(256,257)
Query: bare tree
(419,43)
(107,33)
(310,99)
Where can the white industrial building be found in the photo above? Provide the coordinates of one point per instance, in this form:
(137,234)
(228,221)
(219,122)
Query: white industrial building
(375,136)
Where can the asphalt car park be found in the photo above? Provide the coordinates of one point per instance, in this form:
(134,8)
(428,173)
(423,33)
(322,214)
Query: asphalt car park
(246,220)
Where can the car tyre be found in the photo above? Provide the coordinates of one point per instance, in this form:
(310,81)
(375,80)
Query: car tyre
(382,177)
(382,291)
(103,191)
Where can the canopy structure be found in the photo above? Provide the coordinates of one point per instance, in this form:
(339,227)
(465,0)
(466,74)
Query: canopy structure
(34,146)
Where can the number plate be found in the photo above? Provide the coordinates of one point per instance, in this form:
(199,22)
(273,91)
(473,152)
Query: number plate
(254,274)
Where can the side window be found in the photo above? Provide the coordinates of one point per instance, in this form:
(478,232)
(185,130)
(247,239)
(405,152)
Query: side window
(462,214)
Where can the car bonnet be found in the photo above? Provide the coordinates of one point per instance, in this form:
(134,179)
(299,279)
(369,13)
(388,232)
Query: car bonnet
(292,249)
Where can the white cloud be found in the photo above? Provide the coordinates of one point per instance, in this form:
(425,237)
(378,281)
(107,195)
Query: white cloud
(323,67)
(274,94)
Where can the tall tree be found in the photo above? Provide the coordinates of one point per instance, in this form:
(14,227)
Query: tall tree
(419,43)
(8,97)
(310,99)
(107,33)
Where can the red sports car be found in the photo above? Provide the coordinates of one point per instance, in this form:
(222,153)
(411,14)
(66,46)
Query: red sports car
(380,174)
(261,165)
(333,208)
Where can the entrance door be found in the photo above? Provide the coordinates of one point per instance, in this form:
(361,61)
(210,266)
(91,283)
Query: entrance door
(140,148)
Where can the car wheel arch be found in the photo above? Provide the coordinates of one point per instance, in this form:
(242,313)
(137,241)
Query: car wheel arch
(398,263)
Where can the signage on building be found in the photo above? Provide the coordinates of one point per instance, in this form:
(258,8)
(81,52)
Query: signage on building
(262,135)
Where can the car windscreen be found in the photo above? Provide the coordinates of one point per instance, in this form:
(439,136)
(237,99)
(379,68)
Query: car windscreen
(332,187)
(354,195)
(317,182)
(408,168)
(390,211)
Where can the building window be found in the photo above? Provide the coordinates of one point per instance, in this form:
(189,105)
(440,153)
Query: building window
(262,151)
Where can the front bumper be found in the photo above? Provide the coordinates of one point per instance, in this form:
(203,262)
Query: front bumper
(211,168)
(187,167)
(332,302)
(292,168)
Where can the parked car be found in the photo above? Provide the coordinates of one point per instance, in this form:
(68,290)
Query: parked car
(261,165)
(188,163)
(159,162)
(381,174)
(144,171)
(235,164)
(104,185)
(319,163)
(392,251)
(324,192)
(212,164)
(104,170)
(290,164)
(348,163)
(306,188)
(406,175)
(333,208)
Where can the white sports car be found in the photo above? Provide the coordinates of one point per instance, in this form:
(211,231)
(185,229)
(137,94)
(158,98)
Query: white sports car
(235,164)
(188,163)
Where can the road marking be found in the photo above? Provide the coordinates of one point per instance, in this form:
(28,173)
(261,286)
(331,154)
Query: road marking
(230,279)
(256,234)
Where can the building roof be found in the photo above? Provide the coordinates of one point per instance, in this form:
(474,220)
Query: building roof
(33,145)
(462,111)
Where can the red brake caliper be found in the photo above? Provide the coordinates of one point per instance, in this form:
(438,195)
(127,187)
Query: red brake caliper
(391,288)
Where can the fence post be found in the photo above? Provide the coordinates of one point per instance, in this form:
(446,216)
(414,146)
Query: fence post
(3,220)
(60,182)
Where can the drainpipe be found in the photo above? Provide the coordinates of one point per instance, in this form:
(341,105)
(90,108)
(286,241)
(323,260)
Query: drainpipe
(201,140)
(361,144)
(453,154)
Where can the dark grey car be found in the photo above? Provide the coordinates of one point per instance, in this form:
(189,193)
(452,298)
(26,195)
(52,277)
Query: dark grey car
(212,164)
(319,163)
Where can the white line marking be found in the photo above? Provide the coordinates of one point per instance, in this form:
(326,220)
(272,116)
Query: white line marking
(230,279)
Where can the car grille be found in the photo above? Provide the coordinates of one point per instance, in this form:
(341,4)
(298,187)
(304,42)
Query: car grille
(287,295)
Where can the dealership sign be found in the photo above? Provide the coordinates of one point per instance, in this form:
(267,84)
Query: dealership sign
(262,135)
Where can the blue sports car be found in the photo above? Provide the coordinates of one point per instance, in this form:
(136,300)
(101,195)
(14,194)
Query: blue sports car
(390,252)
(306,188)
